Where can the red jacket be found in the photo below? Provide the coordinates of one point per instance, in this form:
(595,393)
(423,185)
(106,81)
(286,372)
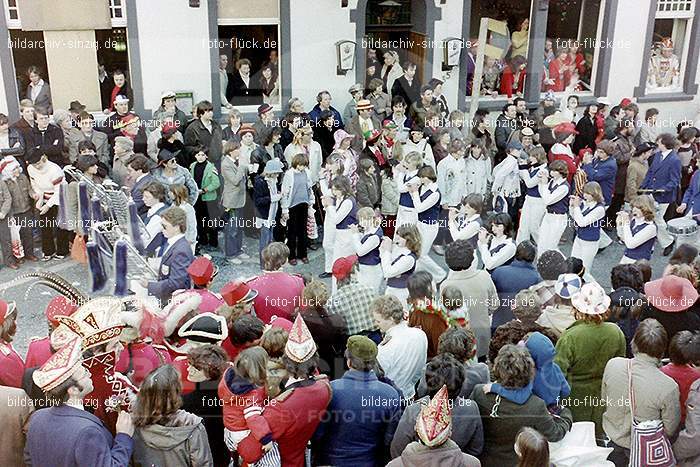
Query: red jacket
(560,77)
(684,376)
(11,366)
(508,82)
(39,352)
(143,358)
(243,404)
(558,153)
(294,415)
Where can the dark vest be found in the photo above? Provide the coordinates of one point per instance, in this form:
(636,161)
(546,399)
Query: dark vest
(590,233)
(371,258)
(561,206)
(351,218)
(405,199)
(401,281)
(430,215)
(534,192)
(643,251)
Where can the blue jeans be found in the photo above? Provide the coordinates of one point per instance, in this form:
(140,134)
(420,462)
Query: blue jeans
(233,235)
(265,239)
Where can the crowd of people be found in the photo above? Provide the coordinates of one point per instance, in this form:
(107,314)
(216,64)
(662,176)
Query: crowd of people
(452,331)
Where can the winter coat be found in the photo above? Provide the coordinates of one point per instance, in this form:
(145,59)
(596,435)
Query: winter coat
(234,175)
(330,332)
(210,181)
(14,417)
(503,421)
(467,430)
(367,192)
(582,353)
(51,143)
(474,373)
(182,441)
(99,139)
(204,402)
(687,445)
(446,455)
(549,384)
(260,156)
(179,117)
(361,440)
(182,177)
(5,200)
(21,192)
(198,138)
(624,148)
(389,196)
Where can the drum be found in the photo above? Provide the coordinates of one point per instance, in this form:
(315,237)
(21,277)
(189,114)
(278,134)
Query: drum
(683,229)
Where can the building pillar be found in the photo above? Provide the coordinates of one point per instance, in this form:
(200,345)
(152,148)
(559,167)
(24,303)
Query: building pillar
(535,51)
(10,103)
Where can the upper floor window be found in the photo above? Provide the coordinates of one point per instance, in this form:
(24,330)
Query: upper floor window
(117,12)
(12,14)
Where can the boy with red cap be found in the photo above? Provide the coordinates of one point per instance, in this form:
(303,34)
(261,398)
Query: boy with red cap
(40,349)
(202,273)
(11,364)
(294,415)
(564,134)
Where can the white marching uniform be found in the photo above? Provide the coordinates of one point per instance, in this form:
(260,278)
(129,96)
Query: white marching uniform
(342,214)
(533,208)
(587,218)
(367,248)
(556,200)
(406,214)
(397,266)
(428,200)
(498,252)
(328,229)
(466,228)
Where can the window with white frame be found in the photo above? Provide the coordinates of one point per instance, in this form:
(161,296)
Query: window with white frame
(670,44)
(12,14)
(117,13)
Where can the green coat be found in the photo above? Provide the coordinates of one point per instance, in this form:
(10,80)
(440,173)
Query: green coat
(582,353)
(210,181)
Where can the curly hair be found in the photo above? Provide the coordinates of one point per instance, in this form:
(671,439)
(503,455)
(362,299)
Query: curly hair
(627,275)
(245,330)
(314,296)
(527,306)
(514,367)
(388,307)
(685,271)
(210,359)
(512,333)
(444,369)
(274,256)
(459,342)
(459,255)
(551,265)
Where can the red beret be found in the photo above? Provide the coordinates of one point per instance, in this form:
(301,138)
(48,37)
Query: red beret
(343,267)
(237,292)
(246,128)
(59,306)
(201,271)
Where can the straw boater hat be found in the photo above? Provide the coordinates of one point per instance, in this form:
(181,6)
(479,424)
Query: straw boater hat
(300,345)
(61,366)
(591,299)
(364,104)
(671,293)
(434,424)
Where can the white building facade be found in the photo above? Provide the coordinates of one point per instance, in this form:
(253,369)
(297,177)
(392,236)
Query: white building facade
(175,45)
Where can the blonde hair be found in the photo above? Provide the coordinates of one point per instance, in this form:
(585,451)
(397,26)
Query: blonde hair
(645,204)
(180,193)
(367,213)
(593,189)
(410,233)
(251,364)
(273,341)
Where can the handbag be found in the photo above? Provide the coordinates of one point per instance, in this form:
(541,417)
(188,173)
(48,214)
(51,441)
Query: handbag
(649,445)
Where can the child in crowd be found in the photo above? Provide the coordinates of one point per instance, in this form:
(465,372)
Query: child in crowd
(532,448)
(46,178)
(549,384)
(297,197)
(684,352)
(207,179)
(455,306)
(366,241)
(333,168)
(243,391)
(266,198)
(390,199)
(180,197)
(21,193)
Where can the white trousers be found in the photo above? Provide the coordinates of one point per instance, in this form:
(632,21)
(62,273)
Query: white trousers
(626,260)
(428,232)
(551,230)
(586,251)
(406,215)
(328,243)
(665,238)
(371,276)
(342,247)
(605,239)
(530,219)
